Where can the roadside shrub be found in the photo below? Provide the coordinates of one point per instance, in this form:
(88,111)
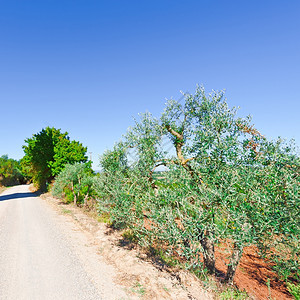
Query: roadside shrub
(10,172)
(74,183)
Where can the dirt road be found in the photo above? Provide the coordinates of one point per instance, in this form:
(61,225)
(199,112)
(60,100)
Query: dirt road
(41,259)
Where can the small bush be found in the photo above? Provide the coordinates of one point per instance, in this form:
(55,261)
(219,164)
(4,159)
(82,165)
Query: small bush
(233,294)
(74,183)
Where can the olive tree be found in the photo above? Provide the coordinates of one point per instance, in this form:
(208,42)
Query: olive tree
(223,182)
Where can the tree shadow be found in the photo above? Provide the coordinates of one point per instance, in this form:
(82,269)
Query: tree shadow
(16,196)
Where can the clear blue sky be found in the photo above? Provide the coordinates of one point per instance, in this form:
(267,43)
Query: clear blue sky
(88,67)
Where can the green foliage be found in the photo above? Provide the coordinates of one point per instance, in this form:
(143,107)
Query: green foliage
(294,290)
(233,294)
(66,211)
(10,171)
(74,183)
(223,181)
(138,289)
(46,154)
(67,152)
(129,236)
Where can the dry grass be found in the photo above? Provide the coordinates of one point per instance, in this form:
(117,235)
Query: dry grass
(2,188)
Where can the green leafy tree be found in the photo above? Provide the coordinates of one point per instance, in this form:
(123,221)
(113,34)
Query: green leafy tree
(47,152)
(10,171)
(223,182)
(67,152)
(225,162)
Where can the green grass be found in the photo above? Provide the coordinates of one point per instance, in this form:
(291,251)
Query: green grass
(167,260)
(294,290)
(165,288)
(129,235)
(233,294)
(104,218)
(66,211)
(138,289)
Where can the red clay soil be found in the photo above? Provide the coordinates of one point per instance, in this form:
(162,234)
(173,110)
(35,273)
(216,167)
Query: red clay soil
(253,274)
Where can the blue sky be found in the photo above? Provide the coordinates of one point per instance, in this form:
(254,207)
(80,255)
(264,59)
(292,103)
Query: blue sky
(88,67)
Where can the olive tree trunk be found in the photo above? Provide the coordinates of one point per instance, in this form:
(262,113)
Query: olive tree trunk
(208,252)
(234,262)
